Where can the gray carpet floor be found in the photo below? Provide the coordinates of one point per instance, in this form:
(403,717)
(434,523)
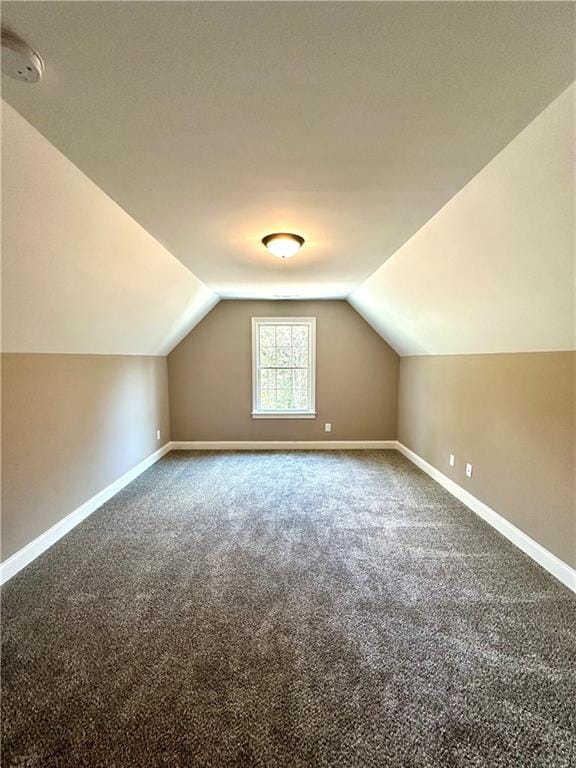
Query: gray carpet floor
(330,609)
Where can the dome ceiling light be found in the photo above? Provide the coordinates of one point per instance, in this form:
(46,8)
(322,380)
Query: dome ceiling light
(283,244)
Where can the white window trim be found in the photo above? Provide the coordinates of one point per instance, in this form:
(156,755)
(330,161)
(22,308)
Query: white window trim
(308,413)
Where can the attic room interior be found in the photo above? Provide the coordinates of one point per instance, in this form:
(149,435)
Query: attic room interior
(288,384)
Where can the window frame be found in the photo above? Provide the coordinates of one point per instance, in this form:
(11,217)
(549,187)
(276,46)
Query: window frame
(307,413)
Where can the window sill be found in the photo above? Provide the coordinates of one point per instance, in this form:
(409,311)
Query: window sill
(277,415)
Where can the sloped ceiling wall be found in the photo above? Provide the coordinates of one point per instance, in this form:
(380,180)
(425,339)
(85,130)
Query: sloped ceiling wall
(492,271)
(79,274)
(349,123)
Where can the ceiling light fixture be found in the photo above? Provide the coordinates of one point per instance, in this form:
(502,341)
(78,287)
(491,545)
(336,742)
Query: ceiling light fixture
(283,244)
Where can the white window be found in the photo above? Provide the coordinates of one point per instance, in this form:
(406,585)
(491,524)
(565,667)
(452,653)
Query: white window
(283,367)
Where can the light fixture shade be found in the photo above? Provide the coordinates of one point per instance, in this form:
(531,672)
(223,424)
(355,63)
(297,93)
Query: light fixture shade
(283,244)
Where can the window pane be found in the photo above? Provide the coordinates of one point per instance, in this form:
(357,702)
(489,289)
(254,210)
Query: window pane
(268,399)
(300,358)
(267,335)
(283,357)
(300,398)
(283,335)
(267,378)
(300,335)
(267,357)
(283,399)
(300,379)
(284,379)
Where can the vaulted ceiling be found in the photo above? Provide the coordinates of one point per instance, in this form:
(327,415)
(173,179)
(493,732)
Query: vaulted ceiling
(351,123)
(78,274)
(494,270)
(206,125)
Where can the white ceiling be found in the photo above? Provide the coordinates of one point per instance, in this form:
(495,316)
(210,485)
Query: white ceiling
(350,123)
(78,274)
(494,270)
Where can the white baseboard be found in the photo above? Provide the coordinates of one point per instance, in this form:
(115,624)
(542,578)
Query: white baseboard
(283,445)
(537,552)
(543,557)
(31,551)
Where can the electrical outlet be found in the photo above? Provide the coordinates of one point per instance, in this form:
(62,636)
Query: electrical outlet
(157,434)
(327,427)
(452,460)
(468,470)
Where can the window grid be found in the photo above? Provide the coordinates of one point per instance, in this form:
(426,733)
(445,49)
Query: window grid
(283,366)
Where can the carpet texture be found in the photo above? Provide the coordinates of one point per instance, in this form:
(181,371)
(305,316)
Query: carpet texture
(289,609)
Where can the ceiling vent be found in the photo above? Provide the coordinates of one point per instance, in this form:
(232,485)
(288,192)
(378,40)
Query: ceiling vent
(19,61)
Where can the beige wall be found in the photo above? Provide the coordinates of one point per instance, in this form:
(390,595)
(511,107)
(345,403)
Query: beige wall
(210,377)
(512,417)
(71,425)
